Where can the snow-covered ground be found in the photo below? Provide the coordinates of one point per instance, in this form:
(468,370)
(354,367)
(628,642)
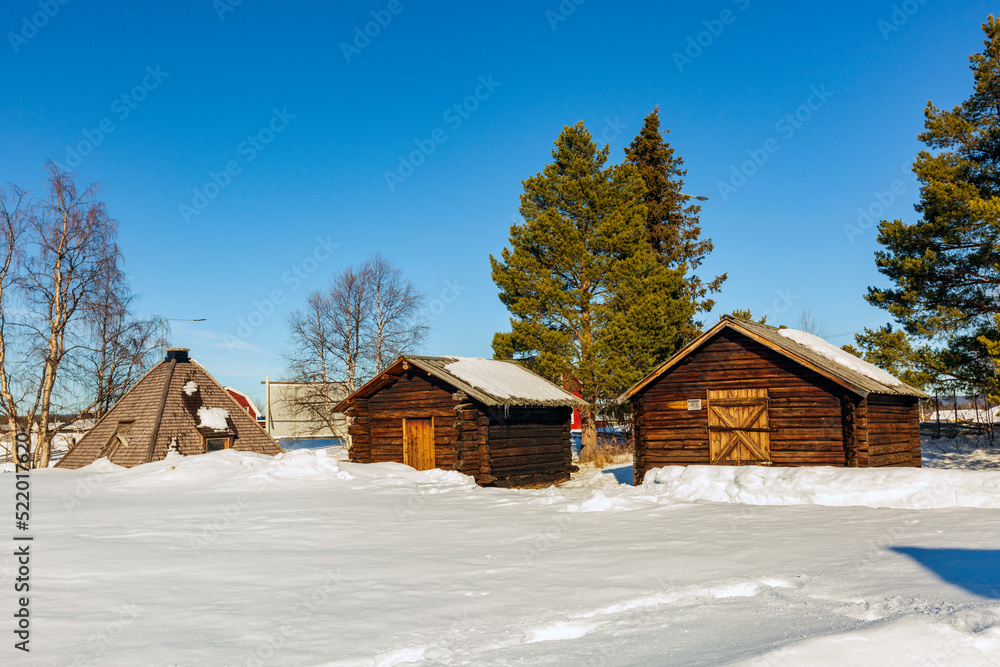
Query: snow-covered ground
(966,452)
(305,559)
(61,443)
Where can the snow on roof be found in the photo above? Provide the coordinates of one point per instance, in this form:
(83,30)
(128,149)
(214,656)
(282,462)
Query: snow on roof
(492,382)
(840,357)
(213,418)
(504,380)
(190,387)
(801,347)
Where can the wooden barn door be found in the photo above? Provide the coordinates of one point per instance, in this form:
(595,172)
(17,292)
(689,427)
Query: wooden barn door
(738,430)
(418,443)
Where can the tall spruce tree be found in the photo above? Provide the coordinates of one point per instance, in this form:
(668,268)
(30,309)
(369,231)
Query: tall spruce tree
(672,221)
(946,266)
(591,306)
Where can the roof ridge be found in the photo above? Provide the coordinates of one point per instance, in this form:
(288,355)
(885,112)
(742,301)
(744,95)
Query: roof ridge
(159,413)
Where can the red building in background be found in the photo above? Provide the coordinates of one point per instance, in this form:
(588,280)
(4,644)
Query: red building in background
(245,402)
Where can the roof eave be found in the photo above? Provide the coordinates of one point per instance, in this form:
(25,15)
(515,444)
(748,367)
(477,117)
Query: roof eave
(482,397)
(371,384)
(488,399)
(670,363)
(843,382)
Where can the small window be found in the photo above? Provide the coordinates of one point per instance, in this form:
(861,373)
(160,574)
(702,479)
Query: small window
(124,433)
(217,444)
(121,438)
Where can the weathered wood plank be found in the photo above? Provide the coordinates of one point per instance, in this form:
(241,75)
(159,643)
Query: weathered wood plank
(904,458)
(532,480)
(891,448)
(543,463)
(499,453)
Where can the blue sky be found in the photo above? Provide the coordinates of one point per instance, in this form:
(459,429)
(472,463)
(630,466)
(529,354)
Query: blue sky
(278,138)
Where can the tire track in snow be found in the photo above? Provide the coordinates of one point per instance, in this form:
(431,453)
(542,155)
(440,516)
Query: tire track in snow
(866,616)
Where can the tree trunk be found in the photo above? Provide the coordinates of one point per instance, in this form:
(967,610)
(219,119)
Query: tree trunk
(44,437)
(10,406)
(588,424)
(937,415)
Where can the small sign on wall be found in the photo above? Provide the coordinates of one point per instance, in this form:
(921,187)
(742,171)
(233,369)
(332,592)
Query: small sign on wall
(694,404)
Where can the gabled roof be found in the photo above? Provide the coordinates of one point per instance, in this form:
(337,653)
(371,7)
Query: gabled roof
(246,397)
(177,402)
(804,348)
(492,382)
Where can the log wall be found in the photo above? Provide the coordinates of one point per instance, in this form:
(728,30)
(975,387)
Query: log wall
(530,446)
(893,431)
(805,408)
(473,432)
(517,447)
(864,459)
(416,397)
(360,432)
(815,421)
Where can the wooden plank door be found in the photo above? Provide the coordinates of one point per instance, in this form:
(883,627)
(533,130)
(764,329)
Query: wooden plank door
(418,443)
(738,427)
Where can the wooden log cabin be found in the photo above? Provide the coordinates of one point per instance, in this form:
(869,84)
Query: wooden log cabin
(745,393)
(493,420)
(177,406)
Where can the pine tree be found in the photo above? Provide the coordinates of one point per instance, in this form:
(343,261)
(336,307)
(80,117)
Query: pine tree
(946,266)
(745,314)
(672,223)
(893,351)
(591,306)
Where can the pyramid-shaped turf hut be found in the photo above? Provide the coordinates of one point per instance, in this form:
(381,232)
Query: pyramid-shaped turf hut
(175,406)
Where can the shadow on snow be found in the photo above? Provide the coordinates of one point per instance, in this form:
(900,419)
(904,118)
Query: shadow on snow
(623,475)
(975,570)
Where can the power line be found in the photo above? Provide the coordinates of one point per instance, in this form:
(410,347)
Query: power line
(846,333)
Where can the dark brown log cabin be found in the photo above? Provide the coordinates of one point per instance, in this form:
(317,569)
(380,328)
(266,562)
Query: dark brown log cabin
(493,420)
(745,393)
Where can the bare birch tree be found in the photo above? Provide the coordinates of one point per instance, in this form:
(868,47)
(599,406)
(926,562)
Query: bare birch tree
(65,310)
(12,228)
(75,240)
(810,323)
(394,327)
(348,303)
(311,359)
(120,346)
(349,332)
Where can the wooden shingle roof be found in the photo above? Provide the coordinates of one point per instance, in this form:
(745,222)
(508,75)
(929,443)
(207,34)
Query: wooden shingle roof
(161,409)
(491,382)
(824,358)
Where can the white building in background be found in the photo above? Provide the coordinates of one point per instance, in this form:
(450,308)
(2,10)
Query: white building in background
(304,409)
(991,416)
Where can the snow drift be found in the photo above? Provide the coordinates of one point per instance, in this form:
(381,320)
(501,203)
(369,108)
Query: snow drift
(236,558)
(899,488)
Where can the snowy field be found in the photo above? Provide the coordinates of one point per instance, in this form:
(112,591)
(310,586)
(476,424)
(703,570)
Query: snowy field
(305,559)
